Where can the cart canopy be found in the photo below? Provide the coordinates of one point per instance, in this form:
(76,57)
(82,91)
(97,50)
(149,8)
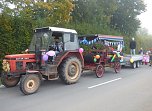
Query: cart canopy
(106,39)
(110,37)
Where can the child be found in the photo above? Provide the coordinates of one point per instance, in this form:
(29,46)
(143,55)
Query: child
(52,56)
(145,58)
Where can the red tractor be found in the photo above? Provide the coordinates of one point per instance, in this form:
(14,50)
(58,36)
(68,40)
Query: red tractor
(30,68)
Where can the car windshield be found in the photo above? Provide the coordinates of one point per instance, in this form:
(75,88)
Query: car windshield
(40,39)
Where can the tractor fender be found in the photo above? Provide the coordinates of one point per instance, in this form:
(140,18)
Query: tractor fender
(34,72)
(72,53)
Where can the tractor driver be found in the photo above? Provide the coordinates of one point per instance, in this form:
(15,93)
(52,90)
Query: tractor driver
(57,45)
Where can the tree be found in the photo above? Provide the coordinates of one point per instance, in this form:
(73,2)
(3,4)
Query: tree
(142,31)
(51,12)
(125,19)
(93,11)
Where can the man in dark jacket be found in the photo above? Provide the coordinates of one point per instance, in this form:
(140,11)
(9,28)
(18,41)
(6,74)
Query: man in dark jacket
(132,46)
(58,46)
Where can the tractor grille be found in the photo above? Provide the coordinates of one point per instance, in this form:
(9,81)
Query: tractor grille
(19,65)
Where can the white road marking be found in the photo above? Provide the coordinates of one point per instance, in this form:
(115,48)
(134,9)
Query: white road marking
(104,83)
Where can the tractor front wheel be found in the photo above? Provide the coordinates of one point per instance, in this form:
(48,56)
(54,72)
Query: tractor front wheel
(30,84)
(9,81)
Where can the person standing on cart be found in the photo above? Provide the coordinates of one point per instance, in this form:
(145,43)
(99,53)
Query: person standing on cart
(132,46)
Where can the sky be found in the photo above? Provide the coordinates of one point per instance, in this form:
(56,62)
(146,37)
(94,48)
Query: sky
(146,17)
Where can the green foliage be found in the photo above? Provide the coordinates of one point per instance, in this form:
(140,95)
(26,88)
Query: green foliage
(15,35)
(6,38)
(22,32)
(144,42)
(40,13)
(86,28)
(88,48)
(87,11)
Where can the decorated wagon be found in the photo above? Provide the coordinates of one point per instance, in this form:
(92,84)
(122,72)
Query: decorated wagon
(101,51)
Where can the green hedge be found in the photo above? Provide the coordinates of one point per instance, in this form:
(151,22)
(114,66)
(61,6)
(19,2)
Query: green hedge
(15,36)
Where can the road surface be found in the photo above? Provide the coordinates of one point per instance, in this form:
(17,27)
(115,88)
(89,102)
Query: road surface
(129,90)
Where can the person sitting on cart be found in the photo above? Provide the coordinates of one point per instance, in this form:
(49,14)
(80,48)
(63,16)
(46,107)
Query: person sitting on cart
(51,58)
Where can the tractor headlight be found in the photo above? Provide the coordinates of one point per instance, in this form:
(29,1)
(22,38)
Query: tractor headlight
(6,66)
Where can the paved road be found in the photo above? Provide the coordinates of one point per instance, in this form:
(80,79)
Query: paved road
(130,90)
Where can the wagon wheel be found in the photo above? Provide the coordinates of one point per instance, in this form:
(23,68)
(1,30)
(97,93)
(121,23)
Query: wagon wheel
(133,65)
(99,71)
(137,64)
(117,67)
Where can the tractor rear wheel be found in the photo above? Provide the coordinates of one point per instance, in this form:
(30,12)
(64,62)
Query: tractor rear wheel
(70,70)
(9,81)
(30,84)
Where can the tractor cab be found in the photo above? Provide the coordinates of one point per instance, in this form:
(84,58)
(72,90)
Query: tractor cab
(54,39)
(47,37)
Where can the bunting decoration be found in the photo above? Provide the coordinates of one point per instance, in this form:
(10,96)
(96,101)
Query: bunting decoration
(106,42)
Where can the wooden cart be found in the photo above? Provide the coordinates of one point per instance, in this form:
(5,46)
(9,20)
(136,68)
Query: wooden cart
(100,53)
